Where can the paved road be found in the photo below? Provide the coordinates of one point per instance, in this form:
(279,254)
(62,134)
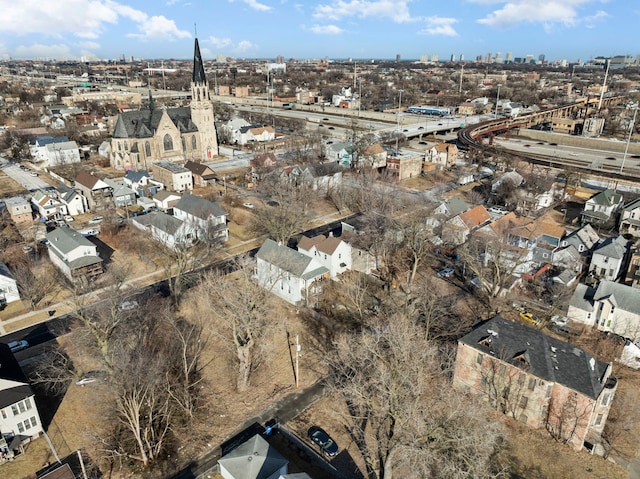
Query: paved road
(24,178)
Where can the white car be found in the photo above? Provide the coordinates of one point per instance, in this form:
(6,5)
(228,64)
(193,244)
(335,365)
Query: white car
(96,220)
(68,218)
(128,305)
(497,210)
(247,205)
(91,377)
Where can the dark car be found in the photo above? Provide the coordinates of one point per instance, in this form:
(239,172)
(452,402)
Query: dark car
(445,273)
(320,438)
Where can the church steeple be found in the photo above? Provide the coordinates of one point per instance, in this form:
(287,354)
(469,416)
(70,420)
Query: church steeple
(152,103)
(198,66)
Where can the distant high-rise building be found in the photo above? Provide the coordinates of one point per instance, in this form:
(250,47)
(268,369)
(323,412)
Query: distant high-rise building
(453,57)
(488,58)
(434,58)
(528,59)
(424,58)
(541,58)
(498,58)
(122,58)
(508,57)
(398,58)
(461,57)
(279,59)
(479,59)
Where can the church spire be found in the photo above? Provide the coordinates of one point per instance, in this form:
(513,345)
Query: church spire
(198,66)
(152,103)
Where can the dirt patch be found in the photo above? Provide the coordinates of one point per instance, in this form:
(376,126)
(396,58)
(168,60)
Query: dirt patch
(9,187)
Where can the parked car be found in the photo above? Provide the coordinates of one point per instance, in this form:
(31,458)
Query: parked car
(89,232)
(530,318)
(16,346)
(247,205)
(96,220)
(33,173)
(91,377)
(320,438)
(445,273)
(128,305)
(68,218)
(497,210)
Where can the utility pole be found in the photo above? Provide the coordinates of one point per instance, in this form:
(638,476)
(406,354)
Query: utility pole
(298,349)
(604,84)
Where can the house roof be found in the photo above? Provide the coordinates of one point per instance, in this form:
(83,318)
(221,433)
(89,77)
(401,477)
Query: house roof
(606,198)
(632,205)
(545,357)
(66,240)
(92,182)
(136,176)
(253,459)
(4,271)
(587,236)
(161,221)
(65,192)
(321,242)
(373,150)
(582,297)
(475,216)
(286,259)
(17,384)
(165,194)
(622,296)
(199,207)
(615,247)
(457,205)
(200,169)
(144,123)
(170,166)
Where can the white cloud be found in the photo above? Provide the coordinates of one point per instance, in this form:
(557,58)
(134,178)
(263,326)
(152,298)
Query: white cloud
(254,4)
(159,28)
(398,10)
(90,45)
(244,46)
(326,29)
(82,18)
(58,52)
(220,43)
(590,21)
(546,12)
(440,26)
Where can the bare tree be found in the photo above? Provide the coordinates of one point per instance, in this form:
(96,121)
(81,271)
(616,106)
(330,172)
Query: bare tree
(35,282)
(401,411)
(239,308)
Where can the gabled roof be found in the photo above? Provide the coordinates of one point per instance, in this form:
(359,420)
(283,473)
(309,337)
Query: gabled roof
(632,205)
(587,236)
(143,123)
(475,216)
(546,357)
(622,296)
(606,198)
(161,221)
(457,205)
(200,169)
(253,459)
(287,259)
(16,383)
(199,207)
(66,240)
(322,243)
(66,193)
(164,194)
(88,180)
(615,247)
(136,176)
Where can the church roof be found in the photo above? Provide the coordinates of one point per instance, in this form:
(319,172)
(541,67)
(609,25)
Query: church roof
(198,66)
(143,123)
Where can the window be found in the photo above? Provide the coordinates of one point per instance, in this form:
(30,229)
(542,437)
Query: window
(14,410)
(598,419)
(167,142)
(479,359)
(20,427)
(521,379)
(605,399)
(27,424)
(4,414)
(34,421)
(147,149)
(27,403)
(523,402)
(532,384)
(194,142)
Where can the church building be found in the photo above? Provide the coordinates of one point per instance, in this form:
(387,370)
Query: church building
(173,134)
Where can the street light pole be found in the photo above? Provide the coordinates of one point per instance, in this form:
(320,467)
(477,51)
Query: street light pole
(498,99)
(398,120)
(626,147)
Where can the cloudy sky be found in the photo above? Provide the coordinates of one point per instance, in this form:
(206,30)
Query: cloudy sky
(361,29)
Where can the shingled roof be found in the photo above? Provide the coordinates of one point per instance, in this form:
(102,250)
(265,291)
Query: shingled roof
(144,123)
(545,357)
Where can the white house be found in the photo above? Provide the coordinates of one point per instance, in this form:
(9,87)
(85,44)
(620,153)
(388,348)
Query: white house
(443,154)
(75,203)
(167,229)
(8,286)
(602,207)
(372,156)
(341,153)
(608,258)
(611,307)
(172,175)
(206,220)
(19,418)
(630,218)
(253,459)
(47,205)
(332,253)
(166,199)
(73,254)
(289,274)
(63,153)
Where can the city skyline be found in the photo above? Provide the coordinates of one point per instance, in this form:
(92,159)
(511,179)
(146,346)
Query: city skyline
(106,29)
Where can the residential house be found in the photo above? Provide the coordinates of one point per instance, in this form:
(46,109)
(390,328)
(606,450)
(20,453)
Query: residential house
(361,260)
(173,176)
(54,151)
(608,258)
(602,207)
(289,274)
(630,218)
(19,210)
(404,165)
(74,202)
(19,418)
(584,239)
(253,459)
(372,156)
(568,258)
(121,193)
(166,199)
(320,176)
(452,207)
(456,230)
(47,206)
(168,230)
(202,174)
(632,276)
(247,134)
(205,219)
(332,253)
(73,254)
(8,286)
(611,307)
(511,179)
(232,129)
(538,380)
(443,154)
(340,153)
(96,191)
